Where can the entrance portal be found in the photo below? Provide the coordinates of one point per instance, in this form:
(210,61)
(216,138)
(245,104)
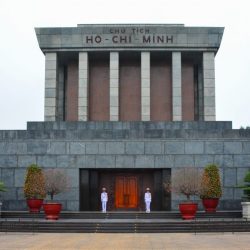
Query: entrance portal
(125,188)
(126,192)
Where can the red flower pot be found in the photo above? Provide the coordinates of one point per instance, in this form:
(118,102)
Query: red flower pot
(34,205)
(210,204)
(188,210)
(52,210)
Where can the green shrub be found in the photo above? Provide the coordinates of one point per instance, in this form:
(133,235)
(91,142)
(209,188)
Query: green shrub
(2,187)
(34,185)
(210,183)
(246,187)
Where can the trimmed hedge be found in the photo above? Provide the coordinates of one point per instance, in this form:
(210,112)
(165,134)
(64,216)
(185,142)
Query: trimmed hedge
(210,182)
(34,185)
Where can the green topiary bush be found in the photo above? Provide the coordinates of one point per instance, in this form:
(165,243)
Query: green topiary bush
(34,185)
(246,187)
(210,183)
(2,187)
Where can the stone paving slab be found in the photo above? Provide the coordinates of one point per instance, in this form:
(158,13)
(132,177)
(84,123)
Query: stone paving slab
(49,241)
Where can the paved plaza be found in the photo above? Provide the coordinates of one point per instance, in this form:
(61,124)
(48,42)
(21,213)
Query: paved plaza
(23,241)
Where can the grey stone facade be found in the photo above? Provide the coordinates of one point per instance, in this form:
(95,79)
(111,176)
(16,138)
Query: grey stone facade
(122,145)
(93,36)
(84,147)
(201,43)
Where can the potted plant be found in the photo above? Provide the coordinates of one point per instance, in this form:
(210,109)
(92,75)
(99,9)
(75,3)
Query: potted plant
(2,189)
(56,182)
(186,181)
(246,196)
(210,188)
(34,188)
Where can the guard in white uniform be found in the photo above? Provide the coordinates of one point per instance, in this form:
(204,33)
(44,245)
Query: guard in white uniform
(104,199)
(147,199)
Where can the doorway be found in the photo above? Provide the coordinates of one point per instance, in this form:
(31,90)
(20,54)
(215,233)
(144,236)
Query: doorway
(126,192)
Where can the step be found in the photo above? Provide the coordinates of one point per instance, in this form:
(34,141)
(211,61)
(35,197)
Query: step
(122,215)
(234,225)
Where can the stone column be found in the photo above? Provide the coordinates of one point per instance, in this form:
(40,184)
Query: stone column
(50,87)
(209,86)
(114,86)
(176,86)
(145,86)
(83,78)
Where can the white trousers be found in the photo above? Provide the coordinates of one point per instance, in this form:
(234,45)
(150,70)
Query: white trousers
(104,205)
(147,206)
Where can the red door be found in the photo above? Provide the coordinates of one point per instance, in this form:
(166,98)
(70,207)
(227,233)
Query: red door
(126,195)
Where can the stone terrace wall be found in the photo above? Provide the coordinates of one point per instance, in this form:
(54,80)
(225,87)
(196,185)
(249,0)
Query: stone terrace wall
(78,145)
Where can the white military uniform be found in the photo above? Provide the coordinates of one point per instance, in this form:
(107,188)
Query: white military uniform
(104,200)
(147,199)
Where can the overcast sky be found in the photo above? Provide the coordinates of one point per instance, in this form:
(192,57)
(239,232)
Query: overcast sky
(22,62)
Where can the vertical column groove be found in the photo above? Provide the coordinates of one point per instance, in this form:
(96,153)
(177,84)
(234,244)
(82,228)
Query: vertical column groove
(145,86)
(176,86)
(200,94)
(60,94)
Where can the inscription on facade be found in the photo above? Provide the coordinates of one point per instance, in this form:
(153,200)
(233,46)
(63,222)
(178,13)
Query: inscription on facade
(128,36)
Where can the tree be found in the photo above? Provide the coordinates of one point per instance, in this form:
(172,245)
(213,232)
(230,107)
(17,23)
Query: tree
(210,183)
(56,182)
(34,185)
(186,181)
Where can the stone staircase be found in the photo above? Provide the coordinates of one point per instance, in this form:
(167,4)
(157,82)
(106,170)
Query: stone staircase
(122,215)
(124,222)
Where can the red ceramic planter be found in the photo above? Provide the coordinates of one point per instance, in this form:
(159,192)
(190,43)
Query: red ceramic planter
(188,210)
(210,205)
(52,210)
(34,205)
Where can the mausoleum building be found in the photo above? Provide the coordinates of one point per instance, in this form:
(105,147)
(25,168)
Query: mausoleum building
(125,107)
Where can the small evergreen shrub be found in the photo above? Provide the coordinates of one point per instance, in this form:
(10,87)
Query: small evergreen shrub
(34,185)
(2,187)
(210,183)
(246,187)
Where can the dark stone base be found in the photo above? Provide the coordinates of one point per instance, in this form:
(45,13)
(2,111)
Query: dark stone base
(76,146)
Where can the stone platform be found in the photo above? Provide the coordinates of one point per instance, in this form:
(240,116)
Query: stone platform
(120,146)
(124,222)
